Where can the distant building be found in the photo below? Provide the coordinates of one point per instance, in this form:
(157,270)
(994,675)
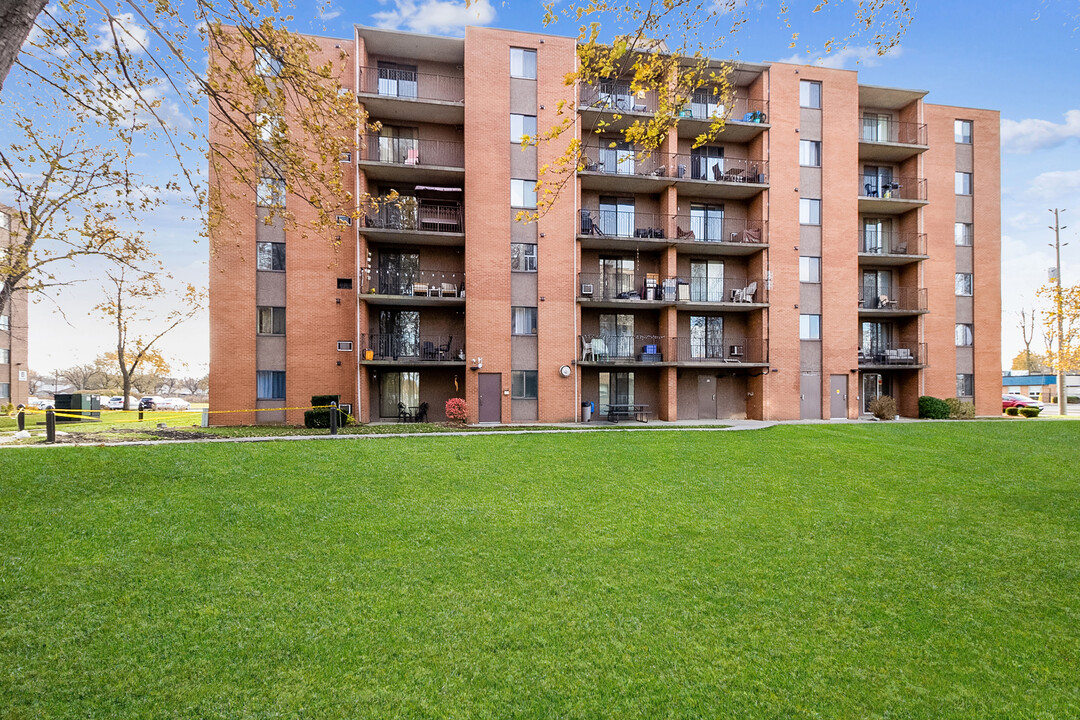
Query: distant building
(14,324)
(1039,387)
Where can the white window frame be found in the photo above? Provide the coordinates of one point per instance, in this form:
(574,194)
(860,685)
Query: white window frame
(270,192)
(809,211)
(810,94)
(522,193)
(520,126)
(959,126)
(963,381)
(275,311)
(5,356)
(810,153)
(963,234)
(809,269)
(5,221)
(344,346)
(965,335)
(810,326)
(519,384)
(965,284)
(520,314)
(965,183)
(523,63)
(267,64)
(528,257)
(5,323)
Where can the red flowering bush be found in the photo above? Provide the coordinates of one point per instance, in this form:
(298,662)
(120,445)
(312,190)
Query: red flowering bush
(457,410)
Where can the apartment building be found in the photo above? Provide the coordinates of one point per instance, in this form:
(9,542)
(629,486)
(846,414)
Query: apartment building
(836,242)
(14,325)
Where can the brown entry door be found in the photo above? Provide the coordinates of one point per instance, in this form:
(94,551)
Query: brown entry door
(490,410)
(810,396)
(838,396)
(706,393)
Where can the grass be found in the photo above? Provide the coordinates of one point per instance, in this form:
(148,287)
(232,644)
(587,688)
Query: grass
(851,571)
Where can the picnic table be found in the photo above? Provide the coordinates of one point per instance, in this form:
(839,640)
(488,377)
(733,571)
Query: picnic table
(627,411)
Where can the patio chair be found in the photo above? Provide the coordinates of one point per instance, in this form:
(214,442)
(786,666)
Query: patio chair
(681,234)
(586,350)
(444,350)
(449,290)
(747,295)
(412,157)
(904,357)
(717,173)
(421,413)
(420,288)
(404,416)
(599,349)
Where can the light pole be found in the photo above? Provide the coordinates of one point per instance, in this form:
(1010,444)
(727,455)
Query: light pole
(1057,228)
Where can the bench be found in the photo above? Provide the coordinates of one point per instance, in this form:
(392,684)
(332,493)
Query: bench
(628,411)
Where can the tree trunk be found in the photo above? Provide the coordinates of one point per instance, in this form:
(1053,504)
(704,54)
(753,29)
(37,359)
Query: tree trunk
(16,19)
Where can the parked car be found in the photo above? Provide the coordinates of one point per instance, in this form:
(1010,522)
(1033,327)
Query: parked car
(1008,401)
(173,403)
(151,402)
(1031,402)
(116,402)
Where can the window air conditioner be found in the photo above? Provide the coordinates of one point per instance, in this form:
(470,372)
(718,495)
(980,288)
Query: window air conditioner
(344,346)
(736,350)
(586,289)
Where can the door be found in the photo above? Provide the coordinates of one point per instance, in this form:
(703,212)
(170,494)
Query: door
(397,272)
(706,337)
(810,396)
(618,159)
(617,216)
(706,404)
(490,405)
(616,276)
(397,144)
(617,334)
(707,281)
(874,235)
(707,163)
(871,389)
(838,396)
(399,333)
(707,222)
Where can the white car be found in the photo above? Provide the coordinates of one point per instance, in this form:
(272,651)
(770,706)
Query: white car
(173,403)
(116,402)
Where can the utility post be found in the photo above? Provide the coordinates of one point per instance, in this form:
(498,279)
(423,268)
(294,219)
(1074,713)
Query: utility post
(1057,228)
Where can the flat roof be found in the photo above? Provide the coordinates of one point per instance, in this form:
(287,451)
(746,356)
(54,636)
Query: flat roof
(398,43)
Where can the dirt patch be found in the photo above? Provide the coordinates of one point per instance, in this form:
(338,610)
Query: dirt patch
(132,435)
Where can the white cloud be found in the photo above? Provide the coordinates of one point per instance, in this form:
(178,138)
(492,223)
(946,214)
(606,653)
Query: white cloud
(328,12)
(1032,134)
(132,36)
(865,56)
(1054,185)
(435,16)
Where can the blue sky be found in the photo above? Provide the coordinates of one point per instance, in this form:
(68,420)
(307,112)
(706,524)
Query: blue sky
(1019,58)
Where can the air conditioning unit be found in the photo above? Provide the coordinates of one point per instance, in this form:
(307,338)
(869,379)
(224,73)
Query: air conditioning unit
(344,346)
(586,289)
(344,220)
(736,351)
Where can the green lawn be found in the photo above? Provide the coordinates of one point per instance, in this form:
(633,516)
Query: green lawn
(852,571)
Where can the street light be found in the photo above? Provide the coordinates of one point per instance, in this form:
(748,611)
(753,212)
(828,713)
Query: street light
(1057,228)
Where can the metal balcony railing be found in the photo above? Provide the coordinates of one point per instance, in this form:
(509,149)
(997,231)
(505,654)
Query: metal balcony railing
(710,226)
(621,223)
(727,349)
(700,166)
(893,354)
(613,161)
(616,95)
(412,283)
(599,286)
(409,213)
(613,348)
(411,348)
(884,242)
(896,188)
(706,106)
(905,299)
(878,129)
(411,85)
(413,151)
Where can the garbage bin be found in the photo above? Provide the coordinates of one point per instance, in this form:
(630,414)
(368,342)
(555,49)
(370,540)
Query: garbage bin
(586,411)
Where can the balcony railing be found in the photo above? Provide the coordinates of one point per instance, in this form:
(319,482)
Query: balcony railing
(875,129)
(893,354)
(599,286)
(615,95)
(892,243)
(411,85)
(408,213)
(903,299)
(897,188)
(611,161)
(725,349)
(615,348)
(621,223)
(411,348)
(697,166)
(413,151)
(709,227)
(412,283)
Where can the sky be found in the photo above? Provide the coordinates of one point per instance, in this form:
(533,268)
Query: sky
(1019,58)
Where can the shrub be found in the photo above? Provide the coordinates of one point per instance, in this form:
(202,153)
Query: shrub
(960,410)
(933,408)
(457,410)
(320,417)
(1030,411)
(883,407)
(7,408)
(1014,411)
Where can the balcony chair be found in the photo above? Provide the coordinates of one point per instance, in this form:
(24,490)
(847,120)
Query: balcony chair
(586,350)
(681,234)
(745,295)
(404,416)
(904,357)
(449,290)
(421,413)
(871,190)
(900,249)
(412,157)
(420,288)
(599,350)
(717,173)
(444,350)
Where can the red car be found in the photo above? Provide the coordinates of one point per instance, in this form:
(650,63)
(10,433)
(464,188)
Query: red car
(1008,401)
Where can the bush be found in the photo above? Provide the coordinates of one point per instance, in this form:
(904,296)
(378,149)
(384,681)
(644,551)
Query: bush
(7,408)
(320,418)
(1030,411)
(933,408)
(1014,411)
(960,410)
(883,407)
(457,410)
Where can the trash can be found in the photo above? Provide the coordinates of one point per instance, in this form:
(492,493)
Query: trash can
(586,411)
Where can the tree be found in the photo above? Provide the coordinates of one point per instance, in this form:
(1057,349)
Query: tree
(195,385)
(124,303)
(81,376)
(1032,363)
(1068,356)
(34,382)
(1027,331)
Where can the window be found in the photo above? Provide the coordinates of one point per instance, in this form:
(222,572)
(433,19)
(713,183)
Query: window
(963,233)
(707,281)
(963,183)
(270,256)
(809,269)
(706,163)
(270,193)
(617,216)
(398,388)
(344,346)
(615,388)
(5,390)
(523,320)
(962,131)
(706,336)
(344,283)
(5,221)
(521,125)
(5,323)
(269,126)
(522,63)
(397,80)
(523,384)
(522,193)
(965,335)
(522,257)
(616,336)
(965,283)
(875,128)
(5,356)
(270,385)
(267,63)
(271,321)
(707,222)
(344,220)
(809,94)
(346,156)
(965,385)
(810,153)
(809,211)
(809,327)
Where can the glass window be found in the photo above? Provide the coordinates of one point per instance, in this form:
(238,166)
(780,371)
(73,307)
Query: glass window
(707,222)
(963,183)
(522,193)
(809,94)
(269,126)
(5,356)
(270,385)
(398,388)
(522,257)
(963,233)
(615,388)
(267,63)
(269,256)
(523,384)
(344,283)
(707,281)
(962,131)
(5,390)
(965,385)
(809,327)
(5,323)
(523,320)
(397,80)
(965,284)
(809,211)
(523,63)
(965,334)
(706,336)
(270,193)
(5,221)
(809,269)
(810,153)
(271,321)
(520,126)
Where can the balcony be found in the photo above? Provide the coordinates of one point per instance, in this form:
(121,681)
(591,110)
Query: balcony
(892,302)
(396,286)
(706,234)
(412,350)
(886,140)
(400,94)
(416,221)
(746,118)
(891,248)
(702,176)
(400,159)
(893,356)
(612,103)
(721,352)
(613,223)
(646,290)
(886,195)
(605,349)
(624,170)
